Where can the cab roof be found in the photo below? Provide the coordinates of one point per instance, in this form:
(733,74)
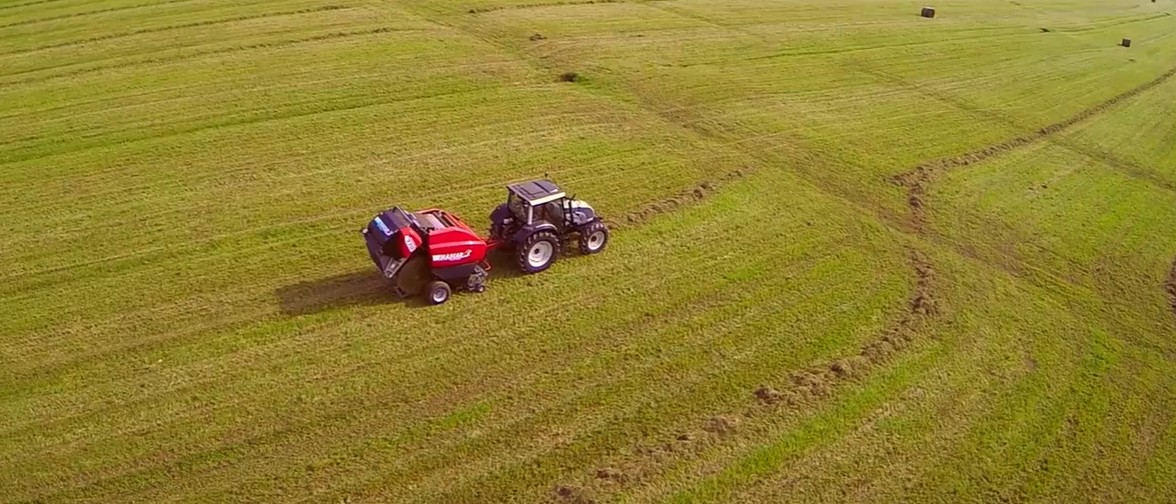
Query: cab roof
(537,192)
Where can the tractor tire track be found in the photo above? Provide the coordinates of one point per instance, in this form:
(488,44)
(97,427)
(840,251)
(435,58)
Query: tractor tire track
(144,31)
(917,179)
(685,198)
(931,93)
(1125,166)
(817,382)
(800,389)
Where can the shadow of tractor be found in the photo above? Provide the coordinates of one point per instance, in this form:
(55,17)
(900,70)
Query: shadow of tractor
(369,288)
(360,288)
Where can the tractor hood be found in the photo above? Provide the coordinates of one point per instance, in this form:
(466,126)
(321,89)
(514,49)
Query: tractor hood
(582,212)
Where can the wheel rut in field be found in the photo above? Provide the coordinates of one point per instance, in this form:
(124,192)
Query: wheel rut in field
(918,179)
(1124,165)
(817,382)
(796,390)
(685,198)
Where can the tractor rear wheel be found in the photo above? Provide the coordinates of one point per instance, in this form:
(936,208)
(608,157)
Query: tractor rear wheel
(438,292)
(538,252)
(593,238)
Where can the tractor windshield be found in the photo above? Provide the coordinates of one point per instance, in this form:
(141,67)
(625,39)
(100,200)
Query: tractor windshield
(518,207)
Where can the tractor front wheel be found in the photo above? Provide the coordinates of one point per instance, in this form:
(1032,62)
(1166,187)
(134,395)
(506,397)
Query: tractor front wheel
(438,292)
(538,252)
(593,238)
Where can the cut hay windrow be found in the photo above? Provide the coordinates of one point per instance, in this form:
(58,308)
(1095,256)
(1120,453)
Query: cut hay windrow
(917,179)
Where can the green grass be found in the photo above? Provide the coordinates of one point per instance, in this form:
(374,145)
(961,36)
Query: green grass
(187,312)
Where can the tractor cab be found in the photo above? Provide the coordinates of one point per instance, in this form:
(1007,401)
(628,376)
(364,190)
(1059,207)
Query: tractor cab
(540,201)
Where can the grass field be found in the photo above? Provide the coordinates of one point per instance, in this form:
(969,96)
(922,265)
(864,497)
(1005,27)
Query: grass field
(858,255)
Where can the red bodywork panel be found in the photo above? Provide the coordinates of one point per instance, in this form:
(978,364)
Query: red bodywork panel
(453,243)
(410,241)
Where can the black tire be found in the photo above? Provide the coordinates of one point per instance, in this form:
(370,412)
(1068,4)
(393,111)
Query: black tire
(538,252)
(593,238)
(438,292)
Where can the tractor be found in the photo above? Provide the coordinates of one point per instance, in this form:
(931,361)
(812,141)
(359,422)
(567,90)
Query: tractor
(433,252)
(537,221)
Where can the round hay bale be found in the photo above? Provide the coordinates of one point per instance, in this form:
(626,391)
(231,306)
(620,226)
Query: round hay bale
(927,12)
(569,77)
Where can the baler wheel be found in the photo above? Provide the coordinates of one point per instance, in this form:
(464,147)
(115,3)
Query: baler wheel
(438,292)
(539,252)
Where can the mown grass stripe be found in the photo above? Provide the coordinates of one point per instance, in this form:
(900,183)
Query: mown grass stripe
(183,26)
(75,15)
